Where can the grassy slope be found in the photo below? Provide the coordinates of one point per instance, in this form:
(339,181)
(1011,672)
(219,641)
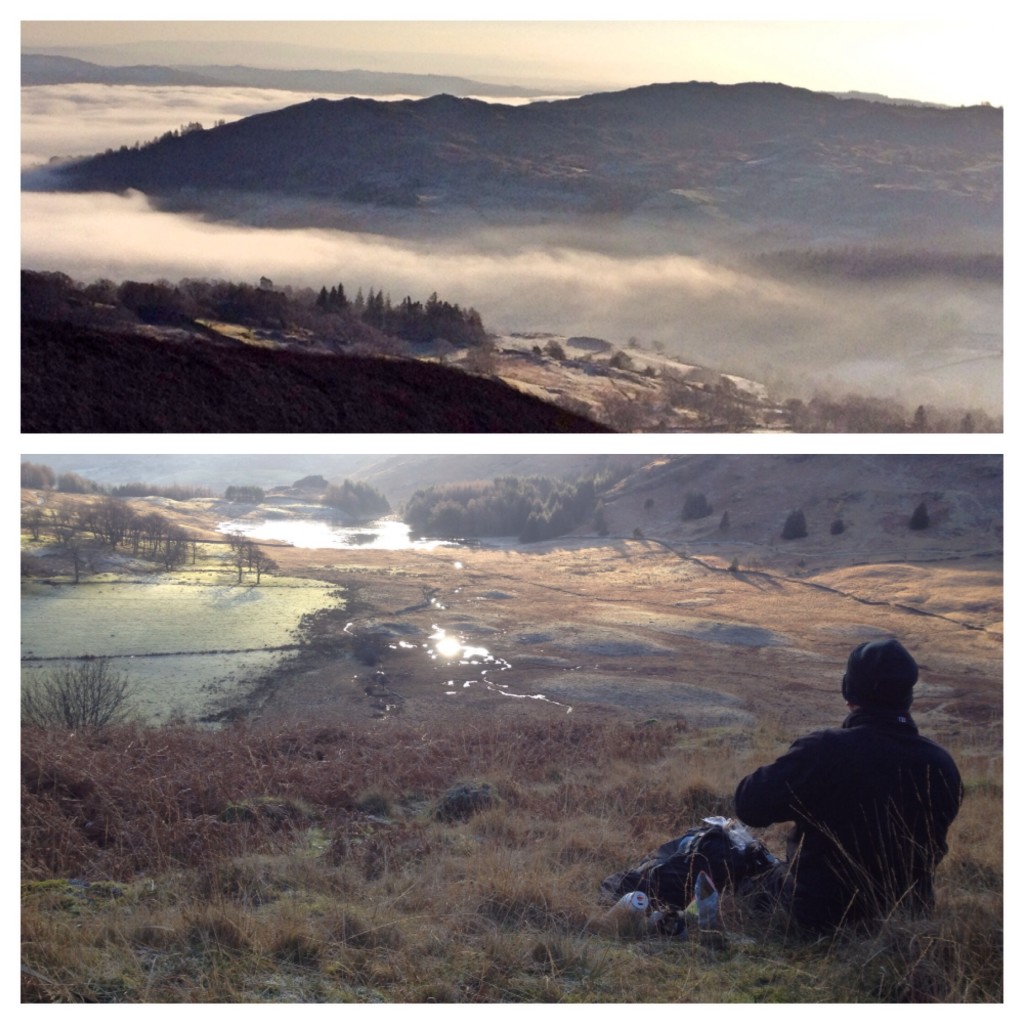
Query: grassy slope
(308,866)
(303,862)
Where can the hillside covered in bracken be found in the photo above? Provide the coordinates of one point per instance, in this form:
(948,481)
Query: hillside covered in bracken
(90,382)
(145,360)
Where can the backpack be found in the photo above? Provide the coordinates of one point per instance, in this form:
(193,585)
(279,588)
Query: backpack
(720,847)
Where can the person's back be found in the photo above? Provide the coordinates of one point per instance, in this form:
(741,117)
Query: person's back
(871,802)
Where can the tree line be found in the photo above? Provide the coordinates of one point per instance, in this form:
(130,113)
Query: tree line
(359,500)
(39,477)
(328,311)
(869,415)
(529,508)
(411,319)
(247,494)
(112,523)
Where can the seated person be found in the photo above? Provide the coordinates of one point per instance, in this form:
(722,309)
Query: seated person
(871,804)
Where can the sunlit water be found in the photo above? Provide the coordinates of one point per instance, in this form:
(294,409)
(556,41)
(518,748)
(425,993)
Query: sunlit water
(383,534)
(470,665)
(454,654)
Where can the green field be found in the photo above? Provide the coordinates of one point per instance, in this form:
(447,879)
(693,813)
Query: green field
(183,640)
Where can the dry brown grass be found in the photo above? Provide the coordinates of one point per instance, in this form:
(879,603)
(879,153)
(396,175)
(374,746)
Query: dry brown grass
(184,865)
(291,862)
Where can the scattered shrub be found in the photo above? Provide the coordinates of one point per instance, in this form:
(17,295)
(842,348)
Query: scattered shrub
(461,802)
(696,506)
(795,525)
(87,695)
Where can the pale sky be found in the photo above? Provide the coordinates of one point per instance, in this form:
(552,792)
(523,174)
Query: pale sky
(945,61)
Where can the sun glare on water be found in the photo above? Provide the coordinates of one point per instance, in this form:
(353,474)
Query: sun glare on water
(447,646)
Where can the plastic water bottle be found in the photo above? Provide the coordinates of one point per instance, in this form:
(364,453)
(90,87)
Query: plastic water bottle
(706,897)
(706,908)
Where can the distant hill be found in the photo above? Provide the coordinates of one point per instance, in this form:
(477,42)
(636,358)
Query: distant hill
(356,80)
(877,97)
(46,69)
(397,476)
(872,496)
(693,152)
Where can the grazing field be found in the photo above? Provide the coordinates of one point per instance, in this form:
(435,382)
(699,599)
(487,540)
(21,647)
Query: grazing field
(188,641)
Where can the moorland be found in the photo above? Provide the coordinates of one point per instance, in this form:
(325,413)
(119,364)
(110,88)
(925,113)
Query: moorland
(281,834)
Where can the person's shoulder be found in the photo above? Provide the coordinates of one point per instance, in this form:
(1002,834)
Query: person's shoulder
(820,738)
(828,732)
(937,750)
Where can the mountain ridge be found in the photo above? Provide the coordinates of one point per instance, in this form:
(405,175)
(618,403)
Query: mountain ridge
(688,152)
(56,69)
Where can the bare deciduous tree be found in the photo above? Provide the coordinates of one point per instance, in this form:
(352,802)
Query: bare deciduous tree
(34,520)
(175,547)
(261,563)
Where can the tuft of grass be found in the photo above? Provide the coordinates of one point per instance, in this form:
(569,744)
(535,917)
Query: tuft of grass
(375,802)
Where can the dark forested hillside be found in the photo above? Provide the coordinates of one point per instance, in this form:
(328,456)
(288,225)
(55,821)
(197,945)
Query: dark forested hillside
(143,356)
(680,150)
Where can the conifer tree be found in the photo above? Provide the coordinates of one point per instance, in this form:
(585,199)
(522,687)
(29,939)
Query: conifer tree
(920,520)
(795,525)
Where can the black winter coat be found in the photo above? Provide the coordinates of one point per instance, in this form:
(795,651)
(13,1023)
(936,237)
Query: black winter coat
(872,802)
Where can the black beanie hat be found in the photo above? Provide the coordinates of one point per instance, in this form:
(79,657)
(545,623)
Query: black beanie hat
(880,673)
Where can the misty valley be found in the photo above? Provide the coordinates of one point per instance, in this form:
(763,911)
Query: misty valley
(701,257)
(236,357)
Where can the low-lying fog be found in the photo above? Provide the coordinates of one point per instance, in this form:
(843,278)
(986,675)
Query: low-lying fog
(933,341)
